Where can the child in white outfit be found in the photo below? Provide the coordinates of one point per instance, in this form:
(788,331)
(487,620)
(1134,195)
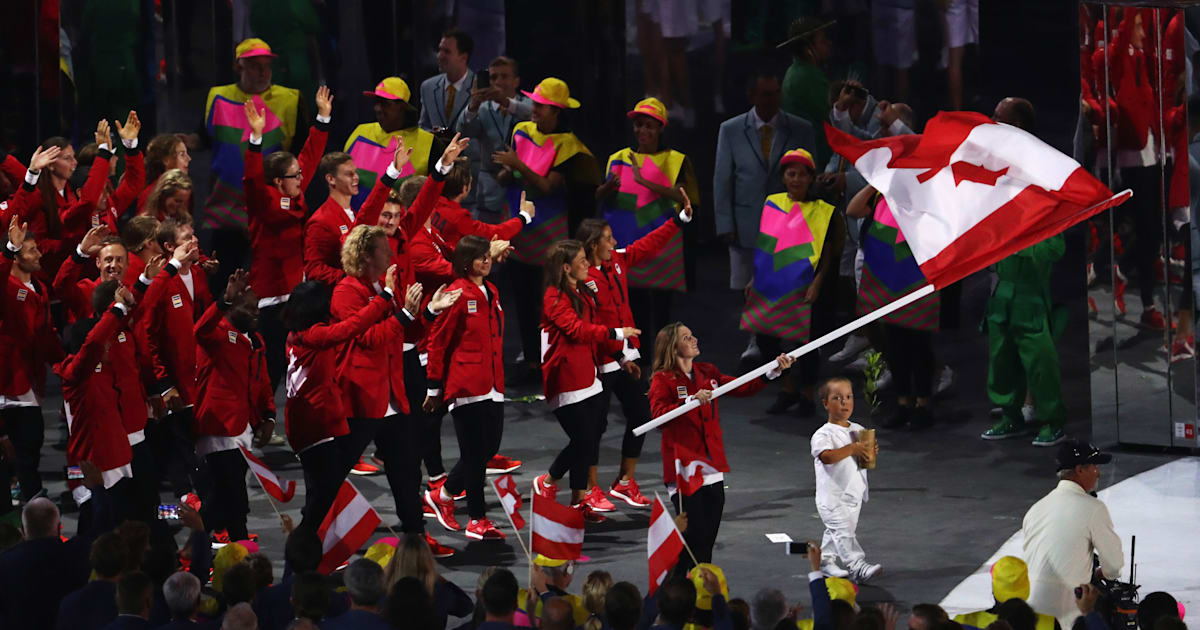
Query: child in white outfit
(841,483)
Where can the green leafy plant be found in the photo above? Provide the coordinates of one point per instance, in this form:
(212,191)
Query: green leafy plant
(875,368)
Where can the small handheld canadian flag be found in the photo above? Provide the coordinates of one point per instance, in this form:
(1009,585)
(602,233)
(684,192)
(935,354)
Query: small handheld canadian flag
(269,481)
(510,498)
(663,544)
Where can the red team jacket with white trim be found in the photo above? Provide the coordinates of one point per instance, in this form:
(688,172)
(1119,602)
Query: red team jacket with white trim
(92,402)
(466,344)
(231,378)
(327,228)
(169,326)
(570,344)
(27,339)
(371,363)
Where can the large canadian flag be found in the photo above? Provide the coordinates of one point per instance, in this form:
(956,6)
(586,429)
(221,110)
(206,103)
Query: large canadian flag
(663,543)
(557,529)
(269,481)
(969,191)
(346,528)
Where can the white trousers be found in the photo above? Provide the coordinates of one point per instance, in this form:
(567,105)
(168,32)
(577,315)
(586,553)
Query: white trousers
(840,541)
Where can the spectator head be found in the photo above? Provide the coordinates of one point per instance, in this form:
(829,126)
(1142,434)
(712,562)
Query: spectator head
(182,594)
(282,170)
(595,589)
(165,152)
(769,607)
(597,238)
(1155,606)
(1169,623)
(739,612)
(559,573)
(107,556)
(808,41)
(454,53)
(138,235)
(308,307)
(413,559)
(499,595)
(674,341)
(103,296)
(176,231)
(623,606)
(171,195)
(409,605)
(905,113)
(264,573)
(1017,112)
(1080,462)
(799,172)
(1018,614)
(303,551)
(340,173)
(239,584)
(310,595)
(1010,578)
(40,519)
(504,75)
(869,618)
(676,600)
(392,108)
(366,253)
(87,154)
(10,536)
(472,257)
(558,614)
(764,92)
(364,583)
(63,167)
(926,617)
(240,617)
(843,614)
(302,624)
(253,65)
(458,180)
(135,594)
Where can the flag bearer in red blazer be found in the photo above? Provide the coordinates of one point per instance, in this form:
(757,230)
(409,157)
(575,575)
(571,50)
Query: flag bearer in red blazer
(678,378)
(315,411)
(236,405)
(275,206)
(371,369)
(571,342)
(28,344)
(619,371)
(169,330)
(466,372)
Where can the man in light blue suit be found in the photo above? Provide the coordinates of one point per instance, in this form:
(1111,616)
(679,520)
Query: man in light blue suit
(749,146)
(444,97)
(488,121)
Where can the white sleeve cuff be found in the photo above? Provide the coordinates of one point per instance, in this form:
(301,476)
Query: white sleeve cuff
(683,216)
(407,314)
(255,139)
(525,215)
(13,249)
(432,311)
(444,170)
(433,393)
(392,172)
(104,147)
(620,333)
(129,144)
(774,373)
(124,309)
(176,264)
(813,576)
(144,279)
(324,119)
(79,251)
(31,177)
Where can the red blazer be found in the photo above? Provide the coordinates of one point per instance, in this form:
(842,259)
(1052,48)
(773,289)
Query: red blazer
(611,285)
(73,289)
(91,400)
(698,430)
(466,344)
(454,222)
(430,256)
(327,228)
(277,222)
(169,329)
(231,377)
(570,343)
(27,339)
(370,364)
(55,248)
(314,408)
(119,200)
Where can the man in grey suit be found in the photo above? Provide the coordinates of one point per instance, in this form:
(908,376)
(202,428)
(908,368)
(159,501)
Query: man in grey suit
(749,147)
(488,121)
(444,97)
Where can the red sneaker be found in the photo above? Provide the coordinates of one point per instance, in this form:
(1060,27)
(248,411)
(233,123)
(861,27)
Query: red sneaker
(436,484)
(1119,289)
(427,511)
(1183,349)
(499,464)
(595,500)
(443,511)
(589,515)
(483,529)
(545,489)
(220,537)
(1152,318)
(439,550)
(376,461)
(629,492)
(191,500)
(363,468)
(460,496)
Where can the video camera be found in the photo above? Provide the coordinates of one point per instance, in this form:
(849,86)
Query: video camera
(1118,603)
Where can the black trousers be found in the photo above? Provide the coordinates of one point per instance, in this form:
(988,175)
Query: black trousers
(119,499)
(1144,212)
(27,431)
(398,440)
(703,509)
(270,326)
(583,423)
(479,427)
(323,476)
(635,406)
(909,354)
(172,438)
(527,292)
(145,483)
(228,504)
(651,309)
(430,424)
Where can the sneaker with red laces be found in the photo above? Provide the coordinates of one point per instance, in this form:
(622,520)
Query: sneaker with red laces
(596,500)
(483,529)
(629,492)
(363,468)
(544,488)
(439,550)
(191,500)
(589,515)
(1152,318)
(500,464)
(443,511)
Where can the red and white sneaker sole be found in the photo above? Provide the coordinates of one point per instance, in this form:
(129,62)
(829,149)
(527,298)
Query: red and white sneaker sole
(617,494)
(454,527)
(474,536)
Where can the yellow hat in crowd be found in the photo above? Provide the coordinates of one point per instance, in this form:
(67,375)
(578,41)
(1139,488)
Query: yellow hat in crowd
(392,89)
(797,156)
(382,551)
(543,561)
(554,92)
(843,589)
(703,597)
(226,557)
(253,47)
(1010,578)
(651,107)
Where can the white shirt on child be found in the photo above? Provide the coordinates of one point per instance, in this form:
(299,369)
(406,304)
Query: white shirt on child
(840,478)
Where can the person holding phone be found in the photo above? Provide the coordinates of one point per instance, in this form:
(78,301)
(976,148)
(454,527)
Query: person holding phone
(494,110)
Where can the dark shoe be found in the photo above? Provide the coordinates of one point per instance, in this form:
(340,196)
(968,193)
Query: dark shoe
(902,417)
(922,418)
(782,403)
(805,408)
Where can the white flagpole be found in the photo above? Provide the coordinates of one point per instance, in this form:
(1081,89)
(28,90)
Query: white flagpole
(673,525)
(802,350)
(511,522)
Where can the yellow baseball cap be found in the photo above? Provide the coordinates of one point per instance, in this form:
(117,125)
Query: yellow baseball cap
(552,91)
(253,47)
(392,89)
(703,597)
(543,561)
(651,107)
(1010,578)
